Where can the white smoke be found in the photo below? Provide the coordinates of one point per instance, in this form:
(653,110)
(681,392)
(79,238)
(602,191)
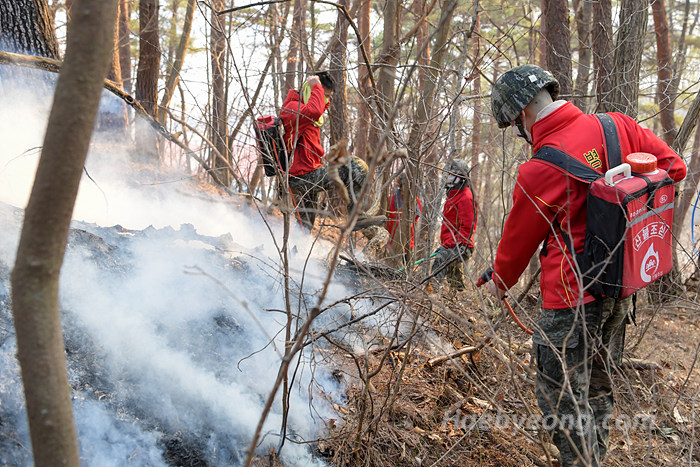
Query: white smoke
(167,327)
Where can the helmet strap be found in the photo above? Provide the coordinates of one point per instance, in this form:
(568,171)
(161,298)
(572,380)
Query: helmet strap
(522,131)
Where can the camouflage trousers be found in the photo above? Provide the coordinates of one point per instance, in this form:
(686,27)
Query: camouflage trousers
(449,263)
(306,188)
(577,352)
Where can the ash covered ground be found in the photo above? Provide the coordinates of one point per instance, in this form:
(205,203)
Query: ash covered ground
(173,340)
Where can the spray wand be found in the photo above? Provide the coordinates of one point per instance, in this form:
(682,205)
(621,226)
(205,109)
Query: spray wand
(419,261)
(487,276)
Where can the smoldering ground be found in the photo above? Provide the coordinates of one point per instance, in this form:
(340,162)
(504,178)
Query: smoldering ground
(170,309)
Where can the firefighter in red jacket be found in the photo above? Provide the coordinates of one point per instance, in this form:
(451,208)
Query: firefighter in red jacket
(459,216)
(302,116)
(578,336)
(394,211)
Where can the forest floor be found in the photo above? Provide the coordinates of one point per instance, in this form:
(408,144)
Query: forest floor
(481,409)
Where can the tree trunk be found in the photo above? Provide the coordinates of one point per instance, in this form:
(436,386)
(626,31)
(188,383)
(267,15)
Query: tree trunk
(219,128)
(338,64)
(149,56)
(115,70)
(114,117)
(423,41)
(363,112)
(665,100)
(26,27)
(176,68)
(602,52)
(147,77)
(40,347)
(296,38)
(556,36)
(387,61)
(69,7)
(421,121)
(125,44)
(386,77)
(628,57)
(172,33)
(681,51)
(583,13)
(476,120)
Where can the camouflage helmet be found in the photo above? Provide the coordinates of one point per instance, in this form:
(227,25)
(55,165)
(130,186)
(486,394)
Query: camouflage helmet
(515,88)
(460,168)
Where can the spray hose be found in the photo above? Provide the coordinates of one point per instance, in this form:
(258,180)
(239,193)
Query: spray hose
(487,276)
(692,225)
(516,319)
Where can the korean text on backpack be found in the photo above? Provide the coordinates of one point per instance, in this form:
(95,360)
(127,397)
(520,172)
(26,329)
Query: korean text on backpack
(628,242)
(269,134)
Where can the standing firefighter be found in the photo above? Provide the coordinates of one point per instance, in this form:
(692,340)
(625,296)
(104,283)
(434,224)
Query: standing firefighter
(578,336)
(395,210)
(302,116)
(458,225)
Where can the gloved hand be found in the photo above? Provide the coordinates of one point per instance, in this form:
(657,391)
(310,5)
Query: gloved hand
(495,290)
(438,251)
(487,278)
(313,80)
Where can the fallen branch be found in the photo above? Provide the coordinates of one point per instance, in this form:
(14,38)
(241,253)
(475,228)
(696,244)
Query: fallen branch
(639,364)
(457,353)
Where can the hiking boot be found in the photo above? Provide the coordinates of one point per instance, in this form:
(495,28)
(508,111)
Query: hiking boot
(367,221)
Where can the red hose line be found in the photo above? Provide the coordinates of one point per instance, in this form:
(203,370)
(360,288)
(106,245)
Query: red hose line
(515,318)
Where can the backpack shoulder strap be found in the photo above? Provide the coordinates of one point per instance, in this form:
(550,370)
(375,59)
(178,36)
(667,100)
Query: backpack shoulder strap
(568,164)
(612,140)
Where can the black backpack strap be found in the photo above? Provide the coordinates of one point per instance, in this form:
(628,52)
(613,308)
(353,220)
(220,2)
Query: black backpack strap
(612,140)
(565,162)
(573,167)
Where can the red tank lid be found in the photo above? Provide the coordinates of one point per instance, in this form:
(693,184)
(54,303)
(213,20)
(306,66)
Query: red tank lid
(641,162)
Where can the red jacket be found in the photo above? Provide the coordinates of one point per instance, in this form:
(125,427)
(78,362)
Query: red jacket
(308,151)
(393,215)
(458,219)
(544,196)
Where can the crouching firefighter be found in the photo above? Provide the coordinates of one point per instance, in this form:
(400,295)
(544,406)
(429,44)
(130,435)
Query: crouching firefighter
(578,337)
(459,216)
(302,117)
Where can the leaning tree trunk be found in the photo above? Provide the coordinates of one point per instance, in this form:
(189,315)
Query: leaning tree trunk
(556,36)
(26,27)
(147,77)
(176,68)
(669,285)
(628,57)
(40,347)
(681,50)
(689,185)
